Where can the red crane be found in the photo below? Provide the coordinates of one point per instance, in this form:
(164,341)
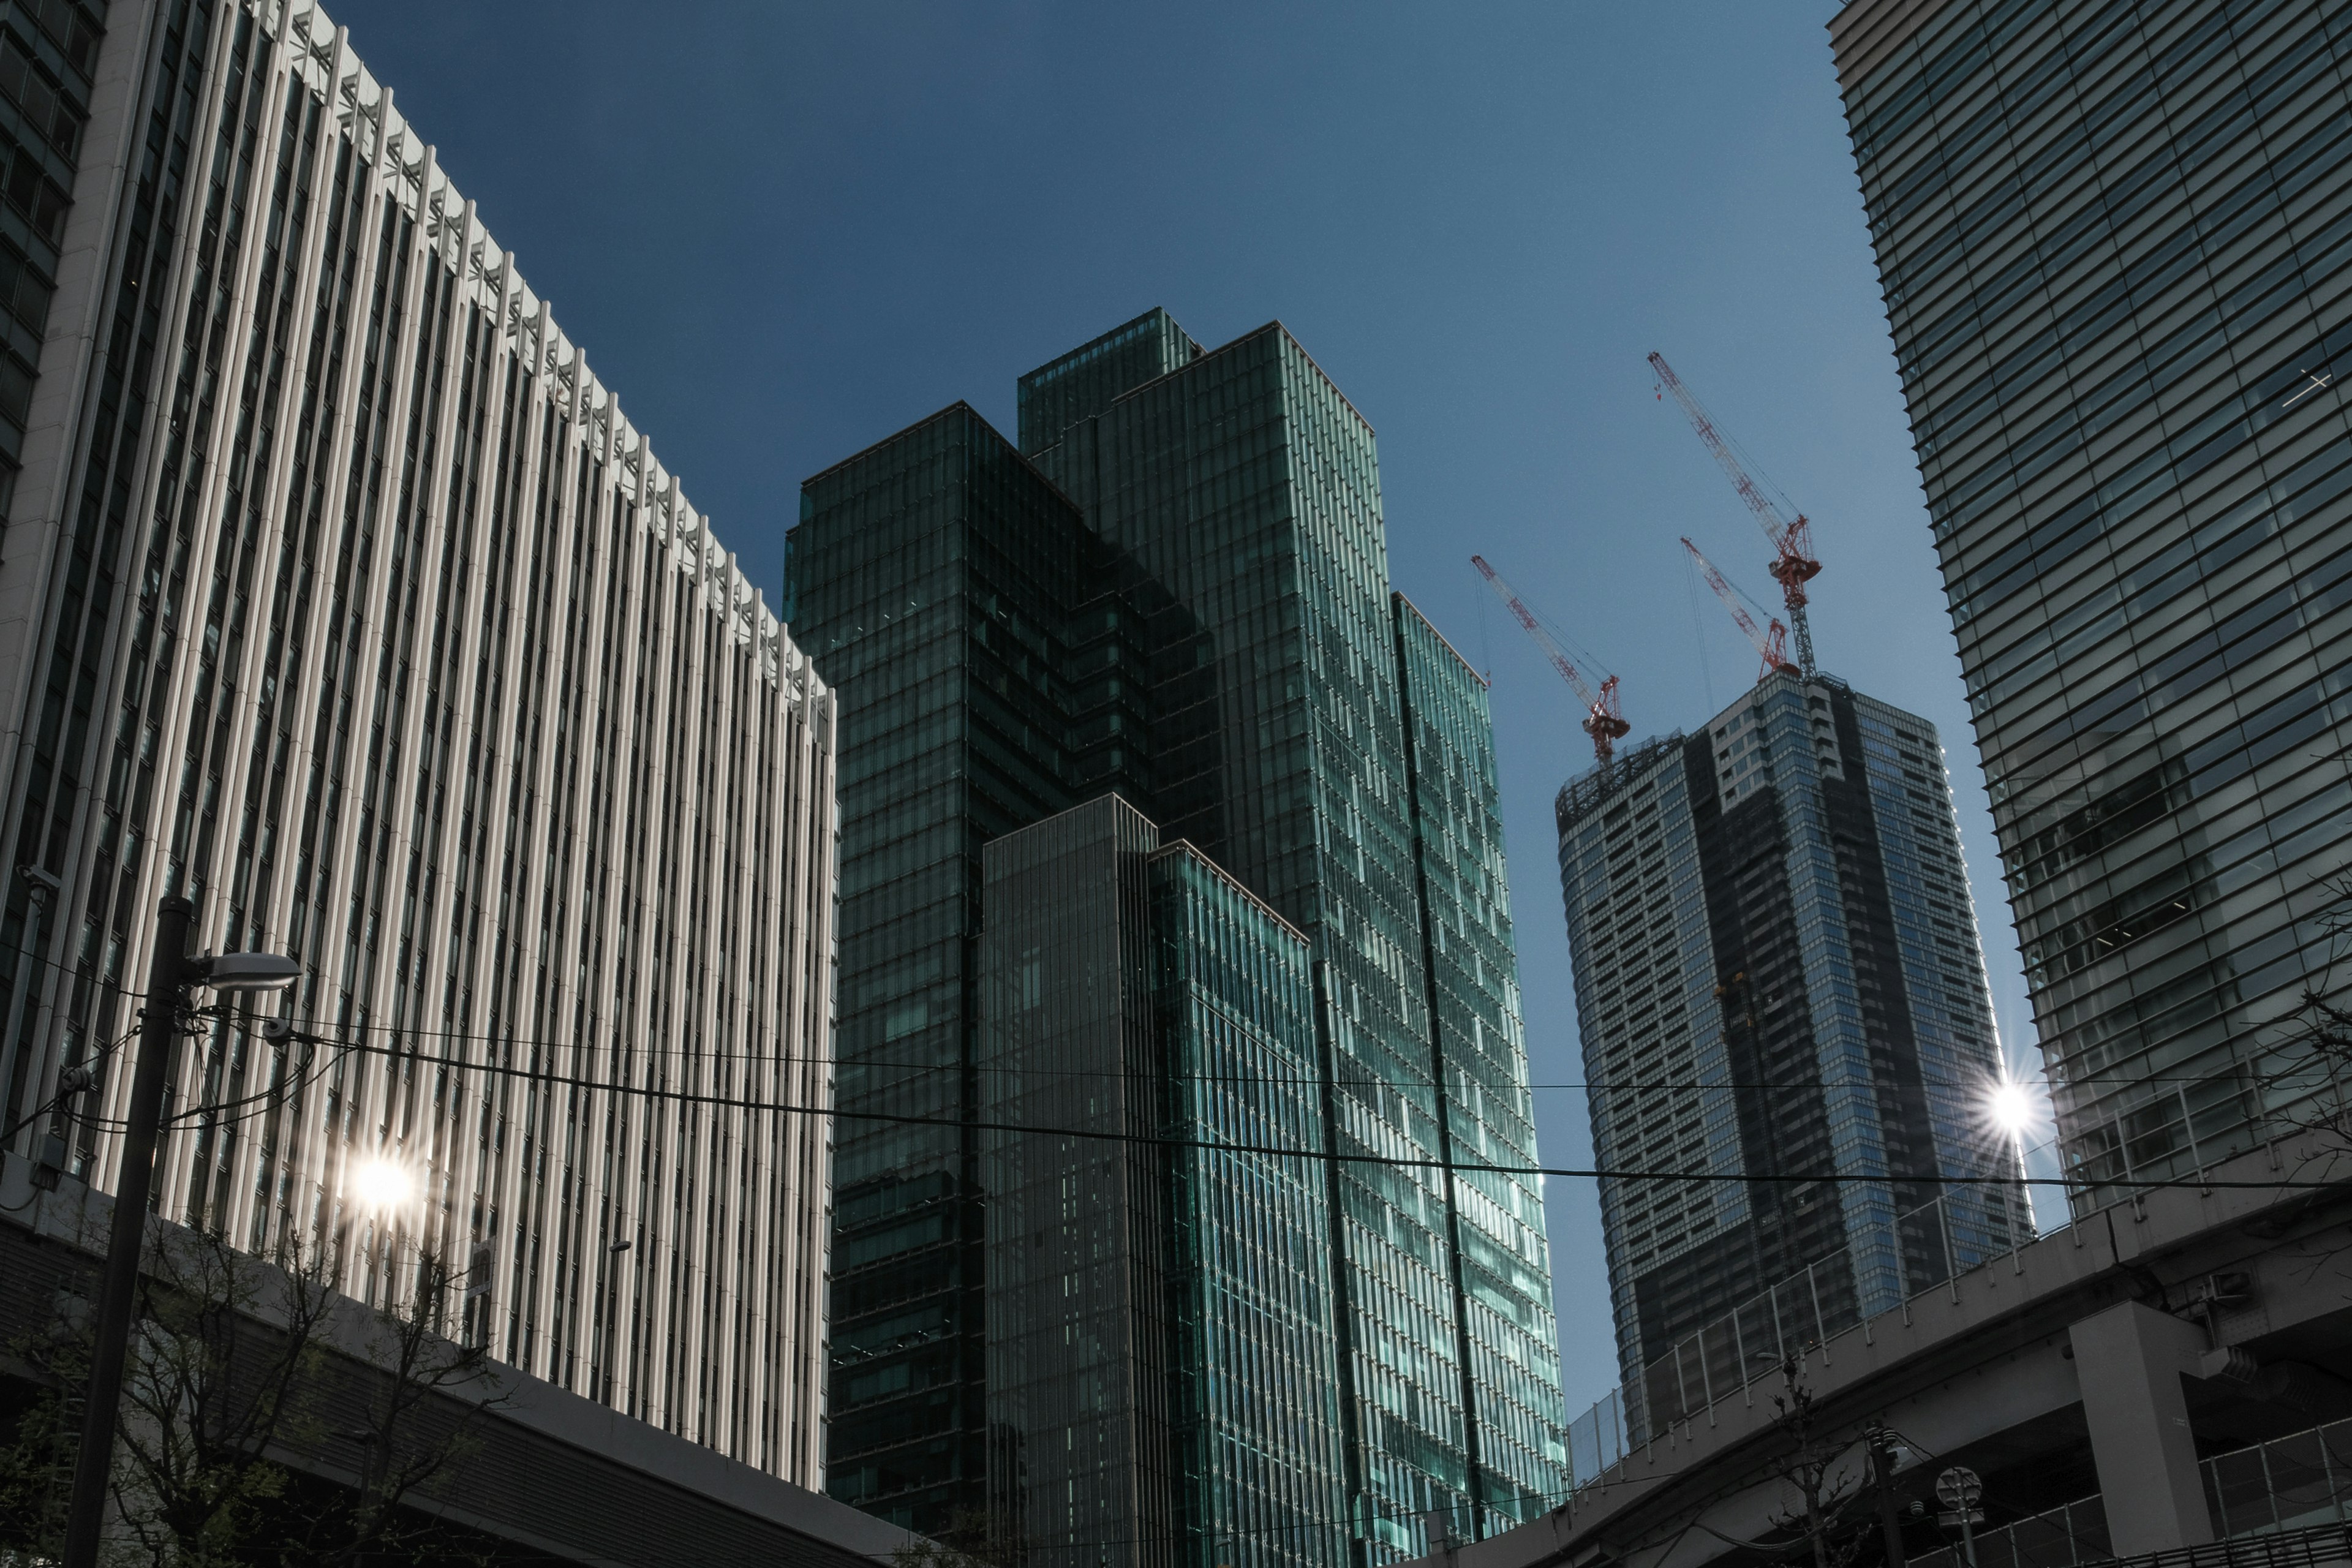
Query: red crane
(1602,720)
(1773,645)
(1793,564)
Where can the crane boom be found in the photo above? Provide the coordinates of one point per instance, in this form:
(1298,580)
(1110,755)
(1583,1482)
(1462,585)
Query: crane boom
(1793,563)
(1772,646)
(1602,720)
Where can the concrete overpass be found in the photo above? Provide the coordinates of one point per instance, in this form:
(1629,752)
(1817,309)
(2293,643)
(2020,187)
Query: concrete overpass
(2094,1379)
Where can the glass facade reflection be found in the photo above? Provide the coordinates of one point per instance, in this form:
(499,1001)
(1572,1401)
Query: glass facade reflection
(1221,646)
(2114,241)
(1160,1381)
(1504,1328)
(1248,485)
(942,579)
(1776,909)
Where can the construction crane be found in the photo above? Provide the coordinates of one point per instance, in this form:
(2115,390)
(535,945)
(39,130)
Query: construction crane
(1602,720)
(1793,564)
(1773,645)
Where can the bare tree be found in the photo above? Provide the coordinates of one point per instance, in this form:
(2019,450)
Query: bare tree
(2317,1052)
(247,1378)
(1827,1517)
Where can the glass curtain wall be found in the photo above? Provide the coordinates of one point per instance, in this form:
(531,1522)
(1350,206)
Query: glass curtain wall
(931,577)
(1256,1401)
(1247,484)
(48,61)
(1078,1370)
(2116,242)
(1161,1386)
(1184,601)
(1501,1258)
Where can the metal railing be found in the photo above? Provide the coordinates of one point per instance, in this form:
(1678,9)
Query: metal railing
(2313,1546)
(2072,1534)
(2287,1483)
(2164,1137)
(2281,1504)
(1598,1439)
(1938,1241)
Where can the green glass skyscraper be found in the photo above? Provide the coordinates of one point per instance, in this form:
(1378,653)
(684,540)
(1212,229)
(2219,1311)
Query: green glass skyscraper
(1176,590)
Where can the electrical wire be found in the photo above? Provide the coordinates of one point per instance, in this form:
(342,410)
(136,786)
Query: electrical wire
(1301,1080)
(735,1102)
(261,1098)
(63,1095)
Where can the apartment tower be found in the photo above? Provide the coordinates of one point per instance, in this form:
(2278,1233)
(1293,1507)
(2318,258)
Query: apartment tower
(1778,974)
(340,598)
(2114,241)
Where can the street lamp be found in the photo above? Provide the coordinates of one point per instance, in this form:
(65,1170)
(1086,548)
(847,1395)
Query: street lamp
(170,972)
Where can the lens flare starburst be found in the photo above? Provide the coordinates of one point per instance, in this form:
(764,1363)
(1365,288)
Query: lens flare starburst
(2012,1106)
(380,1183)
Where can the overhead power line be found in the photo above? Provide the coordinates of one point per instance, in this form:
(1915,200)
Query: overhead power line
(780,1107)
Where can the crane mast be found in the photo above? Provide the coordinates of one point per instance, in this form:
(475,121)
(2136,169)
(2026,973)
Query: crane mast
(1773,646)
(1793,563)
(1602,720)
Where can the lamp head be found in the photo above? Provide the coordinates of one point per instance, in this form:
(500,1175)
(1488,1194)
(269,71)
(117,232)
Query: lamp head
(247,972)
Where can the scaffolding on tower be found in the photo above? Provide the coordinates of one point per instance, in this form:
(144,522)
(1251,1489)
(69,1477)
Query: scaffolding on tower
(1793,563)
(1602,720)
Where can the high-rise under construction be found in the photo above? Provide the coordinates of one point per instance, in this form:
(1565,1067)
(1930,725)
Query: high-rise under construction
(1778,975)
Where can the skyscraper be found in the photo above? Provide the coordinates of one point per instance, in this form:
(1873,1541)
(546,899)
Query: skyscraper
(2113,240)
(1162,1381)
(1778,974)
(1176,589)
(341,598)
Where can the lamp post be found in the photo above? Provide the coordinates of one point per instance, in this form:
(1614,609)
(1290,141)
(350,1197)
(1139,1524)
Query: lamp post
(170,974)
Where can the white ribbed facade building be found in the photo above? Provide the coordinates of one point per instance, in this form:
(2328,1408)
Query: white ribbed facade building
(338,595)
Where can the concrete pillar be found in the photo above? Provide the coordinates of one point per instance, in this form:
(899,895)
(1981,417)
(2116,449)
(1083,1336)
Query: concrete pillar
(2129,1361)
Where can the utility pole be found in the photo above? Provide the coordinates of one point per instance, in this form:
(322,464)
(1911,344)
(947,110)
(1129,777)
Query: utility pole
(1890,1524)
(167,994)
(170,974)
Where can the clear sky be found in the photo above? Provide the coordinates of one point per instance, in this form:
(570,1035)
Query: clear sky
(783,232)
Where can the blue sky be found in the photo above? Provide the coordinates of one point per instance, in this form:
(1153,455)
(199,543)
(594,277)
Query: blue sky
(783,232)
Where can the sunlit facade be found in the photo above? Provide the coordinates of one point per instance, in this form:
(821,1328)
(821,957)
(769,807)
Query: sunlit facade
(1777,974)
(341,599)
(2116,247)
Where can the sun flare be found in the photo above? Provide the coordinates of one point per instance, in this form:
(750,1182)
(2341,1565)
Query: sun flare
(379,1184)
